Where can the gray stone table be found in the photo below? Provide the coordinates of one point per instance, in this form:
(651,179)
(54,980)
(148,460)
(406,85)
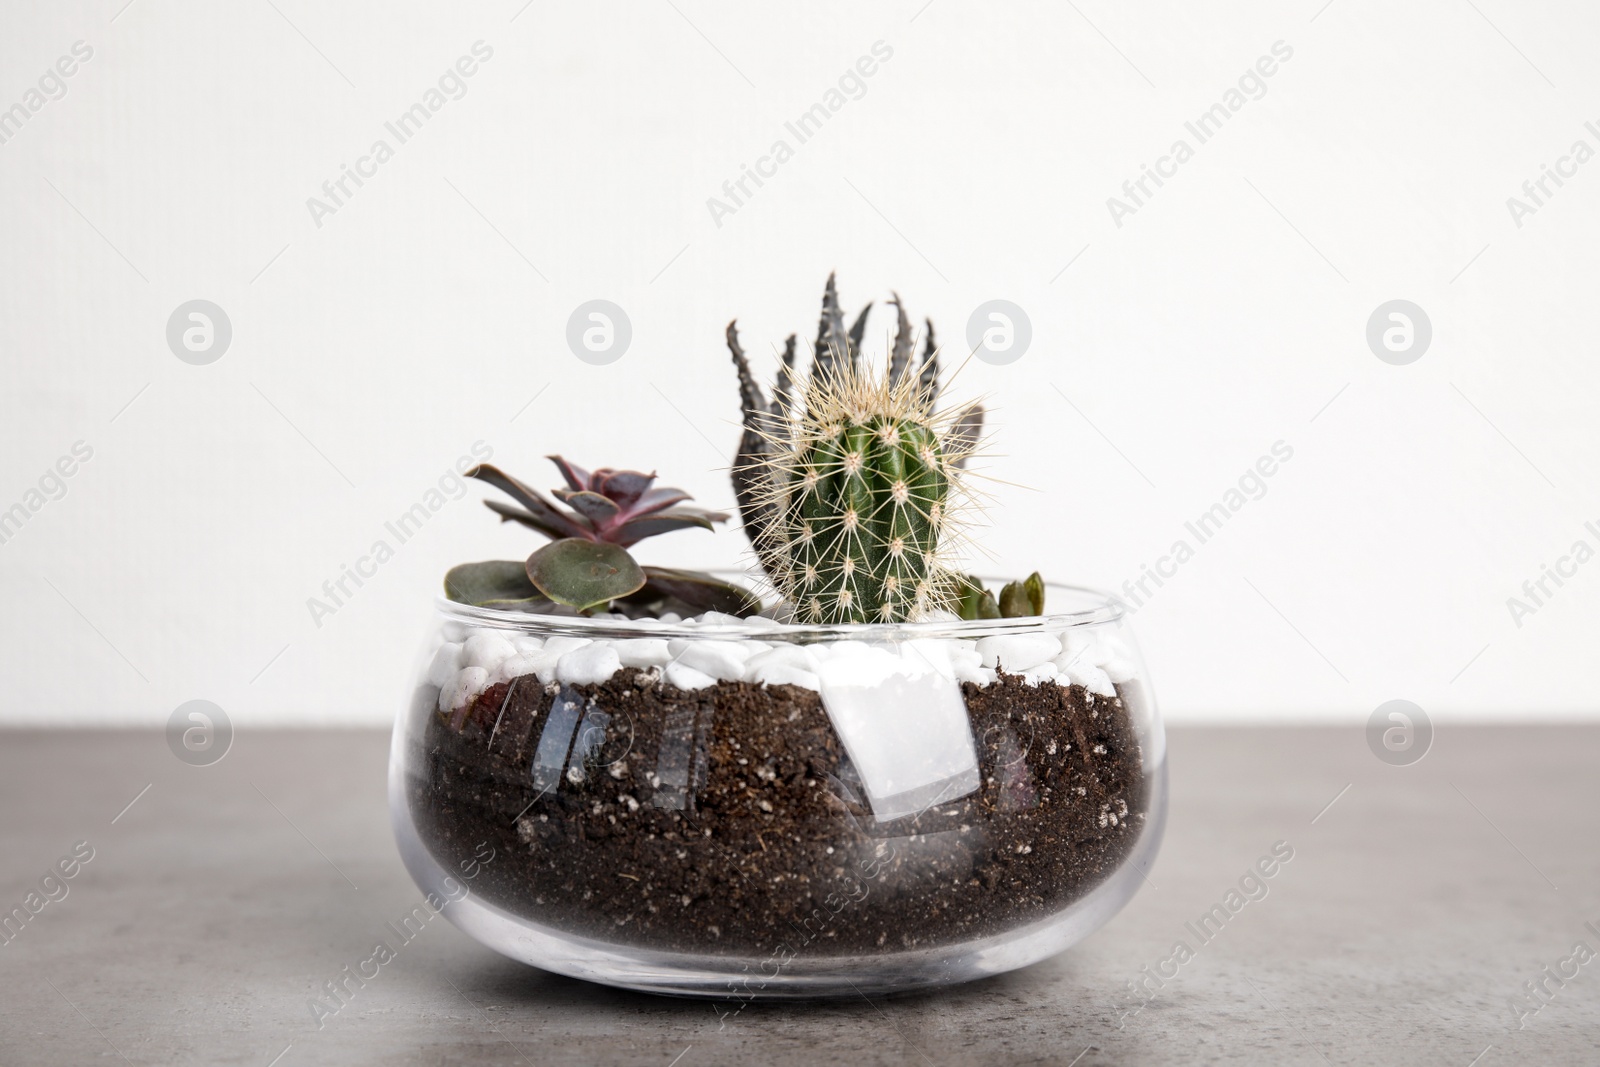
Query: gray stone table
(1415,909)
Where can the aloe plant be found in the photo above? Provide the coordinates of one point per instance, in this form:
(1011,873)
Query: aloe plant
(587,566)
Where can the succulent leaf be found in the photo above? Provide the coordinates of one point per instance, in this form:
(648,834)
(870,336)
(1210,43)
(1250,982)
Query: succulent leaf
(900,356)
(1014,601)
(973,601)
(929,375)
(1034,584)
(624,518)
(599,510)
(547,514)
(858,331)
(508,513)
(626,487)
(576,476)
(584,574)
(833,345)
(701,591)
(489,582)
(965,433)
(784,389)
(631,533)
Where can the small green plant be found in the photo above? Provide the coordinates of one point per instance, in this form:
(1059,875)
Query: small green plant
(1017,599)
(587,566)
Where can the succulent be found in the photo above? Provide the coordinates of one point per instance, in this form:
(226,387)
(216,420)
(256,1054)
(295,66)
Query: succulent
(1016,599)
(851,488)
(586,565)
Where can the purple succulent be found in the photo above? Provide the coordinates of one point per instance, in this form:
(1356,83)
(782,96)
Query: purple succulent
(611,506)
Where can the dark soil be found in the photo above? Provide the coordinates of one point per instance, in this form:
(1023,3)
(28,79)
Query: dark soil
(729,819)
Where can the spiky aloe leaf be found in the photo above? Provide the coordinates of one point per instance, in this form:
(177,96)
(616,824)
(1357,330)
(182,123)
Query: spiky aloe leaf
(900,355)
(491,583)
(965,433)
(833,344)
(584,574)
(749,464)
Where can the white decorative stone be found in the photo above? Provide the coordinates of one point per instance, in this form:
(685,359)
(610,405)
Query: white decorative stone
(1044,672)
(1120,670)
(486,649)
(520,665)
(686,677)
(796,656)
(1093,679)
(719,659)
(467,684)
(564,644)
(642,652)
(446,662)
(525,645)
(974,672)
(1016,653)
(593,663)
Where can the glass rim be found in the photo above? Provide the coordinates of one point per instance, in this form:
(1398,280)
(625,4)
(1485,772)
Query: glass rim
(1102,608)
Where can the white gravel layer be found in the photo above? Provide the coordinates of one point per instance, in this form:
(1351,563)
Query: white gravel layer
(467,662)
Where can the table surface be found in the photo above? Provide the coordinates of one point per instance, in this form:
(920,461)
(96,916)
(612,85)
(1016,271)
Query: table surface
(1416,907)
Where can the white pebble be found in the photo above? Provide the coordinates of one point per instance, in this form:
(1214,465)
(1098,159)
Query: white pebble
(1120,670)
(719,659)
(468,683)
(588,665)
(1093,679)
(976,675)
(687,677)
(486,649)
(446,662)
(564,644)
(642,652)
(1044,672)
(717,618)
(1015,653)
(524,644)
(965,659)
(519,666)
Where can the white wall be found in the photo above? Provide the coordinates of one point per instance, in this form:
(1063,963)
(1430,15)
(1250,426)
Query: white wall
(423,314)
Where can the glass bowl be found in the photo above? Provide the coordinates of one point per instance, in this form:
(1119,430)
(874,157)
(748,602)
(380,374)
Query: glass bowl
(740,808)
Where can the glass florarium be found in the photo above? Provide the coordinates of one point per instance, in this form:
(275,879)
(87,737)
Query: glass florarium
(853,768)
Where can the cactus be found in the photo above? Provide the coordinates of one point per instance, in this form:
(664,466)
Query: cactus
(851,492)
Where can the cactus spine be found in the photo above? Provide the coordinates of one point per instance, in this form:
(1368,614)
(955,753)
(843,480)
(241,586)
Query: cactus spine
(850,491)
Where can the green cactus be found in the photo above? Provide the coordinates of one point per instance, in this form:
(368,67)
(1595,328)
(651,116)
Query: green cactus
(862,521)
(851,490)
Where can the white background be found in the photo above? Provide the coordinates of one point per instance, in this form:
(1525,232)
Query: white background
(1227,314)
